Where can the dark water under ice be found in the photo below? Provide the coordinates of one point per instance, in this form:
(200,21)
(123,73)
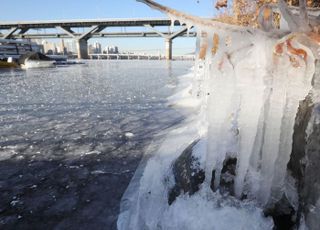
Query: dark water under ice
(71,138)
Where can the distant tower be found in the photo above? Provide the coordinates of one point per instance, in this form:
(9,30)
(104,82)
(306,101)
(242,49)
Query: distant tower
(55,49)
(71,46)
(97,47)
(63,48)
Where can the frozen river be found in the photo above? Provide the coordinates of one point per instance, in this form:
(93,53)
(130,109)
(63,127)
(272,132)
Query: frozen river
(71,138)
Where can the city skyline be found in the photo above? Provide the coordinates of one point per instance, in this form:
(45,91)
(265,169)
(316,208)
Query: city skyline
(65,46)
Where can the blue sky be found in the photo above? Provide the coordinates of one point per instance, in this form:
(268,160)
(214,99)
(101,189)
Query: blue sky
(19,10)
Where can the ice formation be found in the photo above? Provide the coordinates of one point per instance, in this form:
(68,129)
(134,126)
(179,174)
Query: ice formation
(246,89)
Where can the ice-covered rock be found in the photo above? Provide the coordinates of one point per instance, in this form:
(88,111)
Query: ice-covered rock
(228,173)
(305,158)
(187,173)
(249,85)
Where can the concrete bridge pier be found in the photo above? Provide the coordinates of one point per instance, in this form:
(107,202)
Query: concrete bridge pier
(82,39)
(82,48)
(168,38)
(168,42)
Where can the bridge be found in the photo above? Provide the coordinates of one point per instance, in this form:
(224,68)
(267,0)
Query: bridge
(138,57)
(95,28)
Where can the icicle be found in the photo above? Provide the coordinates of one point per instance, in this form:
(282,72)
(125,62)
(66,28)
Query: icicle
(271,143)
(288,16)
(299,84)
(172,24)
(290,85)
(198,68)
(215,42)
(222,110)
(251,89)
(296,24)
(189,27)
(203,45)
(304,19)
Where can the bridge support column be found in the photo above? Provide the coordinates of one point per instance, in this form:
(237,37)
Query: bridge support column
(82,49)
(168,42)
(168,38)
(10,33)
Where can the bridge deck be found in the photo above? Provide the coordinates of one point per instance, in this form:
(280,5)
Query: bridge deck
(122,22)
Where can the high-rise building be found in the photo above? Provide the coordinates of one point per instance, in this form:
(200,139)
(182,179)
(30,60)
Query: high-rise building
(91,49)
(37,45)
(63,49)
(49,47)
(97,47)
(111,50)
(71,46)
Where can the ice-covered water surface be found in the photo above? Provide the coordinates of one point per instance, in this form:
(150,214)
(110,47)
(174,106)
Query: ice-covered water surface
(117,93)
(228,161)
(71,138)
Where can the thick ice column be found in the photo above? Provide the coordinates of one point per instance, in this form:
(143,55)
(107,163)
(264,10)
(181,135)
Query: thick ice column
(168,42)
(82,48)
